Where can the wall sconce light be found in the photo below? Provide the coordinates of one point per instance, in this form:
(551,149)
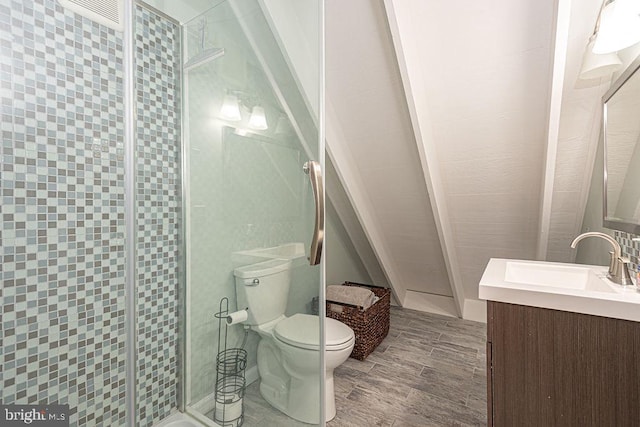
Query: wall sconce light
(619,26)
(596,66)
(230,108)
(258,120)
(283,126)
(233,104)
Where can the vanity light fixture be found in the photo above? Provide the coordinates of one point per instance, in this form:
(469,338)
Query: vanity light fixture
(596,66)
(283,126)
(230,108)
(619,26)
(258,120)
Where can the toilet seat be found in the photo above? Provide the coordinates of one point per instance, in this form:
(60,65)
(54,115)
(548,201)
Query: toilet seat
(301,330)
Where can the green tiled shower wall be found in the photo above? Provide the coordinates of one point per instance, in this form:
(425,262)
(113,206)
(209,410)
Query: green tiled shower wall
(63,208)
(63,213)
(158,206)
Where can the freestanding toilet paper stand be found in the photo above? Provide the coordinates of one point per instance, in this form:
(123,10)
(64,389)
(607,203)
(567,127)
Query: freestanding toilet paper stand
(230,381)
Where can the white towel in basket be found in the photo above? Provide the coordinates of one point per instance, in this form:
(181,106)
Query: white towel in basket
(353,295)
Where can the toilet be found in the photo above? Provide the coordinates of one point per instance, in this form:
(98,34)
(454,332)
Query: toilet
(288,351)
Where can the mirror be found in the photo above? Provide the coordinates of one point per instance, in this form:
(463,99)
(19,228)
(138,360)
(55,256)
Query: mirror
(622,152)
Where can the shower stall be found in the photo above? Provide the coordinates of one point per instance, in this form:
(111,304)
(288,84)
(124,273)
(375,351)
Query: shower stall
(251,103)
(149,150)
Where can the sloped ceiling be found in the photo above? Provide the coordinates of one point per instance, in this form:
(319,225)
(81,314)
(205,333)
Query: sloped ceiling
(441,128)
(471,130)
(438,120)
(480,84)
(371,144)
(340,212)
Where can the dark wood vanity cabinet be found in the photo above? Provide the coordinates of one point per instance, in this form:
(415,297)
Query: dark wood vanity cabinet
(556,368)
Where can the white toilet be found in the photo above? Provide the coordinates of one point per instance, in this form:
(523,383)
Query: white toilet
(288,352)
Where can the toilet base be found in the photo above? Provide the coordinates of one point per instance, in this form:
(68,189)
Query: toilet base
(302,403)
(289,379)
(276,394)
(273,396)
(296,396)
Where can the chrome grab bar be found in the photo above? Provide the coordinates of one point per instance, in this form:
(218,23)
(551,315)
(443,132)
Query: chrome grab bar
(312,169)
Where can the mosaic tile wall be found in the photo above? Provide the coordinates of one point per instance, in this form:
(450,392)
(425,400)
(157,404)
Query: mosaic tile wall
(158,212)
(62,280)
(630,248)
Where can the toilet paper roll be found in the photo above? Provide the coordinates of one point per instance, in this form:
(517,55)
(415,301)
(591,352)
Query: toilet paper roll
(228,411)
(237,317)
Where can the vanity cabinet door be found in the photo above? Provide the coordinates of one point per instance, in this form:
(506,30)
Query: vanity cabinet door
(556,368)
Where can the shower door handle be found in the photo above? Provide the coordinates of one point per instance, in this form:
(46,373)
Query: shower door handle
(312,168)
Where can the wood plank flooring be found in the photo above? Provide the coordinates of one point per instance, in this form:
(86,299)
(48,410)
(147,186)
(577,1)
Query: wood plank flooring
(429,371)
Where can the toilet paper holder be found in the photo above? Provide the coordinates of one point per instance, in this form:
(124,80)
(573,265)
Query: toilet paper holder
(230,371)
(237,317)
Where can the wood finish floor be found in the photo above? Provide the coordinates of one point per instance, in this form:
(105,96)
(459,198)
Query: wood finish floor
(429,371)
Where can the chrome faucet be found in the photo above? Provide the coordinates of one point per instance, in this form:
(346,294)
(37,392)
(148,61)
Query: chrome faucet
(618,265)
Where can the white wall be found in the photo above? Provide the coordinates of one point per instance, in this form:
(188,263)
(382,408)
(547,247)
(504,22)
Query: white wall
(296,24)
(578,130)
(349,253)
(343,264)
(594,251)
(370,139)
(479,88)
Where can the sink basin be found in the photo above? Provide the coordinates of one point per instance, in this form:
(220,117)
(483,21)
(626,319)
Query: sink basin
(555,275)
(569,287)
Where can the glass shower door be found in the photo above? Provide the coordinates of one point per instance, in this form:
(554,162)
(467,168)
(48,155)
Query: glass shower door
(253,194)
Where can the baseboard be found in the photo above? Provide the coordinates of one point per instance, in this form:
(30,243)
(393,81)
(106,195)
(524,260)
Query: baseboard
(430,303)
(475,310)
(208,403)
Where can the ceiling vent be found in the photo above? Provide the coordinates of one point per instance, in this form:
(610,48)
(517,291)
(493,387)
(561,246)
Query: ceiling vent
(106,12)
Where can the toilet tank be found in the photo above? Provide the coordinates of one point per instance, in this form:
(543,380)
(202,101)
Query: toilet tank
(263,288)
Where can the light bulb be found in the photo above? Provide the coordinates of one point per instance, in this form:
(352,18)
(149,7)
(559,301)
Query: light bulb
(258,120)
(283,127)
(596,66)
(619,27)
(230,109)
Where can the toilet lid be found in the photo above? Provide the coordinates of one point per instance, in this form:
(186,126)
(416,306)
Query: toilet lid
(301,330)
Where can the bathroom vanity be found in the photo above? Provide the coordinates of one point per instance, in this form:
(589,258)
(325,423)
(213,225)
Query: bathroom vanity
(563,340)
(563,346)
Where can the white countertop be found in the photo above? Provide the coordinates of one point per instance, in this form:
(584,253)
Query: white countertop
(568,287)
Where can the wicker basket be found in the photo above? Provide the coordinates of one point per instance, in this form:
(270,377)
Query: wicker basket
(371,326)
